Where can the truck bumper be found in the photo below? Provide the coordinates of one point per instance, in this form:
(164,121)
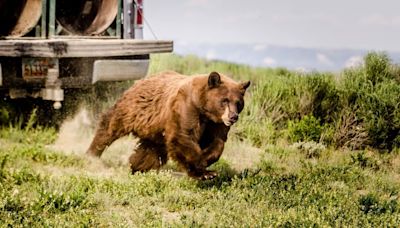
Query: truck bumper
(119,70)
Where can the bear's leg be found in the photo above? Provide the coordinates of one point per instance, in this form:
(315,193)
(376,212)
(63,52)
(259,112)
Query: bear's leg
(213,152)
(212,142)
(148,155)
(101,140)
(104,136)
(189,155)
(209,156)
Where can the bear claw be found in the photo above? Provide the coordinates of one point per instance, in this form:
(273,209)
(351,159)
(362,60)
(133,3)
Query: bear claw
(209,175)
(204,175)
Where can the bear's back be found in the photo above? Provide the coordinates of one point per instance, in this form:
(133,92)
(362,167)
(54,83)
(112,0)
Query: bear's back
(143,108)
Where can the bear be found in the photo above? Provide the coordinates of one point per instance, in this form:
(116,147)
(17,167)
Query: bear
(178,117)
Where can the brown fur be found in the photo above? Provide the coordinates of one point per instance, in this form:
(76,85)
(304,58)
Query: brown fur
(183,118)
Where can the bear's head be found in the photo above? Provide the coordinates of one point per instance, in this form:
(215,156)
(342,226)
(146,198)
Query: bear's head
(223,98)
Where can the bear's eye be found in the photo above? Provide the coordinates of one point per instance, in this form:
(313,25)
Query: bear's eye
(224,101)
(239,105)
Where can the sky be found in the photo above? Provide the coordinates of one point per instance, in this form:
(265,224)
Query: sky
(333,24)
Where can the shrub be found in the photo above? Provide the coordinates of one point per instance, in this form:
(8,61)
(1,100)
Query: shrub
(307,129)
(377,67)
(324,103)
(372,204)
(371,93)
(349,131)
(364,160)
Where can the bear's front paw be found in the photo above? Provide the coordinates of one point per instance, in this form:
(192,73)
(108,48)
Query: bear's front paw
(203,175)
(208,175)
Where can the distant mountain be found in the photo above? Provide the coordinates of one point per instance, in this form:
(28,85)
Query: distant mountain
(295,58)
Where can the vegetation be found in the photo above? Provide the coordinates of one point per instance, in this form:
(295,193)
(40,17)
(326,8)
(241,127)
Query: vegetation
(311,149)
(358,108)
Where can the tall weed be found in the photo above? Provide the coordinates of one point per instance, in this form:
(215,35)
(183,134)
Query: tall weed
(358,108)
(372,93)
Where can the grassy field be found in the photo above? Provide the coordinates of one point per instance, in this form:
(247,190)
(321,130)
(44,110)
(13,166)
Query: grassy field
(292,160)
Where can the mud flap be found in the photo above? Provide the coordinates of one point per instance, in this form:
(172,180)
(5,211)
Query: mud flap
(119,70)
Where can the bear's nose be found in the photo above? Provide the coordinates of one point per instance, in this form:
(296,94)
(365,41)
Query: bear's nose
(233,117)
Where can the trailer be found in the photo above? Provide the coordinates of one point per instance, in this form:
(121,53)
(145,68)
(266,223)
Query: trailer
(49,46)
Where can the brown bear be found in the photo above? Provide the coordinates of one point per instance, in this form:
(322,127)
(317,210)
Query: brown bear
(183,118)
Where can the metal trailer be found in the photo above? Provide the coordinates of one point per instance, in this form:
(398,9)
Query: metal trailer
(48,46)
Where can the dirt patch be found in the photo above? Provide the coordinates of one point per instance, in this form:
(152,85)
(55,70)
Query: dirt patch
(241,155)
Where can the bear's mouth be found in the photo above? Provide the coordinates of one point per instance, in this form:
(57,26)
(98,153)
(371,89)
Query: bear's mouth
(226,119)
(229,123)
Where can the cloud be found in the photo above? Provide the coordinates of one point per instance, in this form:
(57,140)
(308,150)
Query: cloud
(381,20)
(301,69)
(269,61)
(211,54)
(260,47)
(324,59)
(354,61)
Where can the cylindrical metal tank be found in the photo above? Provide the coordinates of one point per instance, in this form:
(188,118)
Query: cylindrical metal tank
(77,17)
(86,17)
(18,17)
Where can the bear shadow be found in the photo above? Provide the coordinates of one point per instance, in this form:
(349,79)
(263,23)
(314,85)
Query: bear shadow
(225,176)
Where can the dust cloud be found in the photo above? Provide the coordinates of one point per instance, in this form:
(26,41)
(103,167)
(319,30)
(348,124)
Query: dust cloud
(75,136)
(75,133)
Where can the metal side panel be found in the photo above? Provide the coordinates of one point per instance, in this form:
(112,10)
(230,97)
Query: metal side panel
(74,48)
(119,70)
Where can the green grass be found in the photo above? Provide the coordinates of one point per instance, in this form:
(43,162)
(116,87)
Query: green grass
(284,187)
(282,165)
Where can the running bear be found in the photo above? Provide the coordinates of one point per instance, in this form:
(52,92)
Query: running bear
(184,118)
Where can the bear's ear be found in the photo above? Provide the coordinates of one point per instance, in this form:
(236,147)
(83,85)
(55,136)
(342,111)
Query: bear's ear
(245,85)
(214,80)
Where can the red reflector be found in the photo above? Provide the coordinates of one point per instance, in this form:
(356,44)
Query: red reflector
(139,12)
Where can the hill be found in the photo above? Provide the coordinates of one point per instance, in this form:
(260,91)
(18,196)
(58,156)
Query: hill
(294,58)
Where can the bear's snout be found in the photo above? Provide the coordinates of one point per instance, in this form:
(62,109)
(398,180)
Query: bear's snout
(229,118)
(233,117)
